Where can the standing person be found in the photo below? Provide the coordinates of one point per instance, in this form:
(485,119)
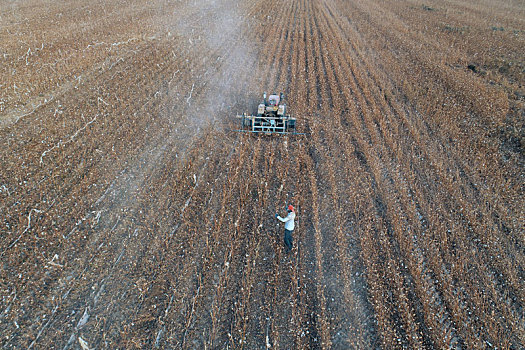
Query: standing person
(288,227)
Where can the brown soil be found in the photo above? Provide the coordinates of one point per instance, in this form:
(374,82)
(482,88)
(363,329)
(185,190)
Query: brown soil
(132,216)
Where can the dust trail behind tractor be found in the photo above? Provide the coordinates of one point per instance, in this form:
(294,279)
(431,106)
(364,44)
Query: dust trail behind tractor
(271,118)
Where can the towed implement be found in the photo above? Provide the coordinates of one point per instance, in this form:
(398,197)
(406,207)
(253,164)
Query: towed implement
(271,118)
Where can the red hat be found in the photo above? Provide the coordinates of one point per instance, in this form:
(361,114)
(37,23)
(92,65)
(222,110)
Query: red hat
(290,207)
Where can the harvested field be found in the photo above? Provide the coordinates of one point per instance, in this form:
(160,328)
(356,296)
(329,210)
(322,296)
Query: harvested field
(133,217)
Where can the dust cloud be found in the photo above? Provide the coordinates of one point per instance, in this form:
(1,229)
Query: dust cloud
(209,86)
(223,59)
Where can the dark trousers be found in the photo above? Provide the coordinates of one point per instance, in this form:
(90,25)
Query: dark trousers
(288,239)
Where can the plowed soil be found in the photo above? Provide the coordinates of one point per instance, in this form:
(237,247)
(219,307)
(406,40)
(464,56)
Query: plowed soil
(133,216)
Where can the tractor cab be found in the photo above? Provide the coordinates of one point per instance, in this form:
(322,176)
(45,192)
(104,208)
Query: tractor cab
(273,100)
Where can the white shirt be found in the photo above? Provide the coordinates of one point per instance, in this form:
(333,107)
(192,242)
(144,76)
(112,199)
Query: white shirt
(288,221)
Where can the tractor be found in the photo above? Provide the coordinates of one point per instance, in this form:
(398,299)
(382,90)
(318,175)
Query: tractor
(271,117)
